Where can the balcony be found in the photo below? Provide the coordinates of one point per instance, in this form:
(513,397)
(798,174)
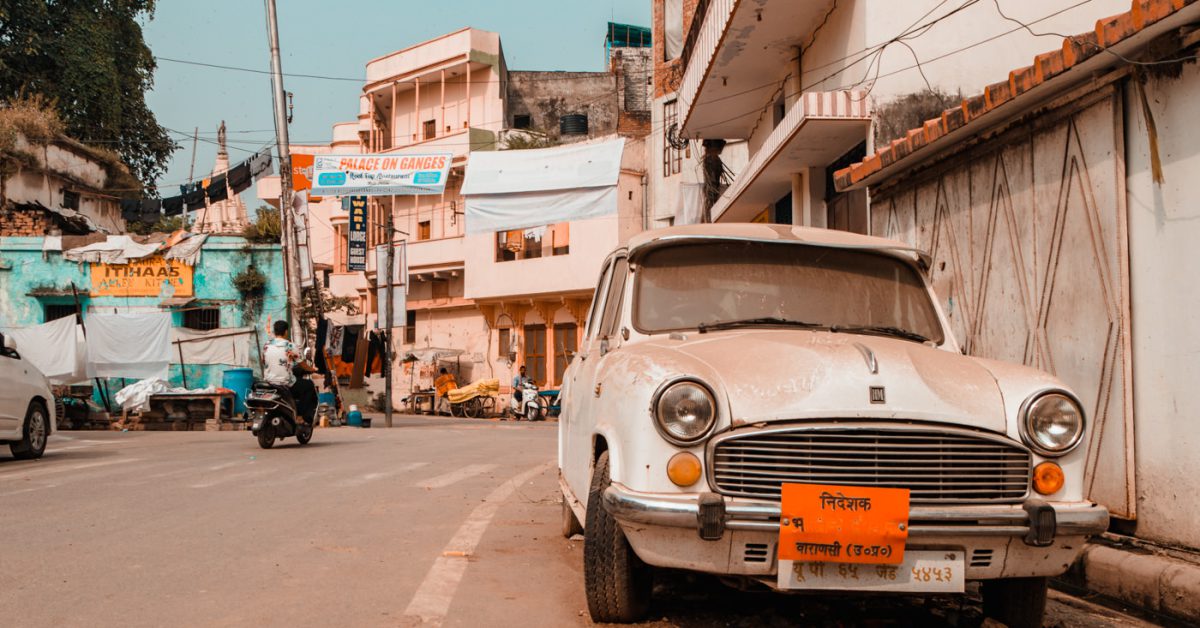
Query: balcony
(821,127)
(736,60)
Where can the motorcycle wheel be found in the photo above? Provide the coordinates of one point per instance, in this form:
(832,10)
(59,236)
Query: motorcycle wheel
(266,436)
(473,408)
(533,412)
(304,434)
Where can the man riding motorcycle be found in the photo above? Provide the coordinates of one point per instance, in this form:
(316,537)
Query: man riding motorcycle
(281,360)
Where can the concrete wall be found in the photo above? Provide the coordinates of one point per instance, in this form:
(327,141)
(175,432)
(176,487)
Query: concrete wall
(54,169)
(1164,226)
(547,96)
(222,258)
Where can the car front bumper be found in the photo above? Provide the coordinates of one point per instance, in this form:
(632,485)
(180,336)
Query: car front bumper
(712,533)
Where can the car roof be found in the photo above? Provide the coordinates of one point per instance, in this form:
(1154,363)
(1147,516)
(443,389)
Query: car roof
(811,236)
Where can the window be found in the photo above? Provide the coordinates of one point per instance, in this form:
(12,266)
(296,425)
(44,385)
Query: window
(616,293)
(55,311)
(535,353)
(522,121)
(423,230)
(441,288)
(672,157)
(202,319)
(504,343)
(429,128)
(564,348)
(597,303)
(534,242)
(410,327)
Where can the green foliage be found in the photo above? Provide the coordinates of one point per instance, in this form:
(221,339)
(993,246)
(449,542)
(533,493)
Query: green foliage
(266,228)
(88,58)
(165,224)
(250,283)
(329,303)
(525,141)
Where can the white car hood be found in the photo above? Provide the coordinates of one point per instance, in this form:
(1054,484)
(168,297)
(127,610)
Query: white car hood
(781,374)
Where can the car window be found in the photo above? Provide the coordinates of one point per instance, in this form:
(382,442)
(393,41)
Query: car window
(616,294)
(598,303)
(6,352)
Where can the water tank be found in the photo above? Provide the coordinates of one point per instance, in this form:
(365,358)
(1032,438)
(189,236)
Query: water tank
(573,124)
(239,381)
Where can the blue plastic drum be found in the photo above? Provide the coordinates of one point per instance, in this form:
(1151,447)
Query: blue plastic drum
(239,381)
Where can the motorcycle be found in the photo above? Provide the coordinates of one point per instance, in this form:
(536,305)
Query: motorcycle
(526,402)
(273,415)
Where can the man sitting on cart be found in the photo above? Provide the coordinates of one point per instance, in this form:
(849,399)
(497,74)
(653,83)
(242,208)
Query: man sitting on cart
(444,384)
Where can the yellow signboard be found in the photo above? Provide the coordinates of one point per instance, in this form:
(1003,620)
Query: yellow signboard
(148,277)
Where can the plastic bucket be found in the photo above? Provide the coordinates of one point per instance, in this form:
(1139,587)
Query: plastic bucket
(239,381)
(354,418)
(326,398)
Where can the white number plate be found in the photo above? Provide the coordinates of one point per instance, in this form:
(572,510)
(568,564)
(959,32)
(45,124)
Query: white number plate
(921,572)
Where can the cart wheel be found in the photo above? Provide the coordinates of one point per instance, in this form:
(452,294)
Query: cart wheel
(456,409)
(473,407)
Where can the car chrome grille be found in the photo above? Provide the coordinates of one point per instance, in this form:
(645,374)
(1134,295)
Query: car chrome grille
(938,465)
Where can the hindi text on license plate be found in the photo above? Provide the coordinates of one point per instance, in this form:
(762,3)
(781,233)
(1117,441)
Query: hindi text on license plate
(843,524)
(921,572)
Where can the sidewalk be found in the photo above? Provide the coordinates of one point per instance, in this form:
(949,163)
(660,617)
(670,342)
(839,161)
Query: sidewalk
(1140,577)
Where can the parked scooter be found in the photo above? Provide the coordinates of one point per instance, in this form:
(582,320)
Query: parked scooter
(526,403)
(273,414)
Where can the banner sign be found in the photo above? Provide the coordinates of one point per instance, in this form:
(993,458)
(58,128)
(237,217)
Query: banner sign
(380,175)
(146,277)
(399,281)
(357,241)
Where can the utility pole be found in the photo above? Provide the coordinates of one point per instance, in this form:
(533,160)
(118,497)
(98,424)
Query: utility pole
(192,169)
(290,253)
(388,319)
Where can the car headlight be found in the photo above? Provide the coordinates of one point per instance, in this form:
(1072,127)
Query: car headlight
(1053,424)
(685,412)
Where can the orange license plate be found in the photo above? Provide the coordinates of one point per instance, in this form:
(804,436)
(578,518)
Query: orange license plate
(843,524)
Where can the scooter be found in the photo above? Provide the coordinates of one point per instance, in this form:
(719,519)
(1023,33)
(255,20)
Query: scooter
(273,414)
(529,404)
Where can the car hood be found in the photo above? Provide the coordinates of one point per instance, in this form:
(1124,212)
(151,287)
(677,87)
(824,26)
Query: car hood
(780,374)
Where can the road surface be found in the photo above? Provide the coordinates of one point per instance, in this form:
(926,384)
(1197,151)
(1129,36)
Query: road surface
(435,522)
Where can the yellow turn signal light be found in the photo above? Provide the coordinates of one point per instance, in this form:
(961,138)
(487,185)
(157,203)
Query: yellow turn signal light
(684,468)
(1048,478)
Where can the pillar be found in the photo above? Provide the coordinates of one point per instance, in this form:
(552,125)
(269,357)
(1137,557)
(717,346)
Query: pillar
(799,207)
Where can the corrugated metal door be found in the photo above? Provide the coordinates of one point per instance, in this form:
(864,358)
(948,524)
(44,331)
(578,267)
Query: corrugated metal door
(1028,235)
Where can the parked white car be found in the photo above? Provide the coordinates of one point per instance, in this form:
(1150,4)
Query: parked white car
(26,403)
(788,407)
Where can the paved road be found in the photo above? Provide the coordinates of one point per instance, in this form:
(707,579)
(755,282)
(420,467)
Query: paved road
(436,521)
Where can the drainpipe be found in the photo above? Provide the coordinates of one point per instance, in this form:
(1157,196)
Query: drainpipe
(645,203)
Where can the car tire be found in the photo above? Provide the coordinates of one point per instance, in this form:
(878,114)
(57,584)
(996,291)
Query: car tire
(34,433)
(1017,602)
(618,584)
(570,523)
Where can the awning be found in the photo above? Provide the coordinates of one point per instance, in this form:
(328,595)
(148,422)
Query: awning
(816,131)
(518,189)
(175,302)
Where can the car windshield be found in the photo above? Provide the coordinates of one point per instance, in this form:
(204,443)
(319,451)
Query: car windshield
(739,283)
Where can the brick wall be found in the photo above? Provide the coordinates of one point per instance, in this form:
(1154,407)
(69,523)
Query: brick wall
(634,123)
(24,222)
(668,74)
(634,69)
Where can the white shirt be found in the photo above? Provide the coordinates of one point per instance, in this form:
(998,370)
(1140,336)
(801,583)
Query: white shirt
(278,358)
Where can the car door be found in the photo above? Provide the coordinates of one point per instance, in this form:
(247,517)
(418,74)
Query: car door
(12,407)
(575,421)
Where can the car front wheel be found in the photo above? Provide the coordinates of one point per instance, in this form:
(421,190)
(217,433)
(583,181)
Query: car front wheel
(617,582)
(1017,602)
(33,435)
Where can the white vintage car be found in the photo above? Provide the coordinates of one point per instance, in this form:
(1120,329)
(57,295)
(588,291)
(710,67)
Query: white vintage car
(787,406)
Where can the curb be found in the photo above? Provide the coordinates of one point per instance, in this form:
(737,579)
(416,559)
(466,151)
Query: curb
(1156,583)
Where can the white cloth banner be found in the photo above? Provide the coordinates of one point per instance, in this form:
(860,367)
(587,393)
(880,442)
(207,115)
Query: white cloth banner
(507,212)
(691,204)
(544,169)
(55,348)
(673,23)
(229,346)
(137,345)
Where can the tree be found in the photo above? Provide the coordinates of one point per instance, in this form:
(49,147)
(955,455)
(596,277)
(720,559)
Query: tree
(90,59)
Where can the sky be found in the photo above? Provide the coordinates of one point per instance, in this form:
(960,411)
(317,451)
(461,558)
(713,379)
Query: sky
(335,39)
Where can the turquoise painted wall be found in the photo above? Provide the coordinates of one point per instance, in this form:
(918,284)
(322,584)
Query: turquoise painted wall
(24,268)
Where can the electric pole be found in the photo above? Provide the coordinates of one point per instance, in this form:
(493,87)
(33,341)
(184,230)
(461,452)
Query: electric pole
(192,169)
(291,255)
(388,318)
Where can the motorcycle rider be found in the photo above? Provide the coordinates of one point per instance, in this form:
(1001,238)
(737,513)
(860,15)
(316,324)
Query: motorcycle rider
(279,358)
(519,382)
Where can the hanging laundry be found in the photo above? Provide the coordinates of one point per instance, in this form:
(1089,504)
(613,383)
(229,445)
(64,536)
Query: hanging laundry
(373,353)
(131,209)
(194,197)
(151,210)
(55,348)
(172,205)
(228,346)
(216,189)
(188,251)
(260,163)
(350,342)
(334,339)
(319,359)
(132,345)
(239,177)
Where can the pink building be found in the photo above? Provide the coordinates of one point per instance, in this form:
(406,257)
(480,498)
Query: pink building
(481,303)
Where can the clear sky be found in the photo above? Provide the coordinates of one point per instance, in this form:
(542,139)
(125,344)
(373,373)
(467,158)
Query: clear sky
(336,38)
